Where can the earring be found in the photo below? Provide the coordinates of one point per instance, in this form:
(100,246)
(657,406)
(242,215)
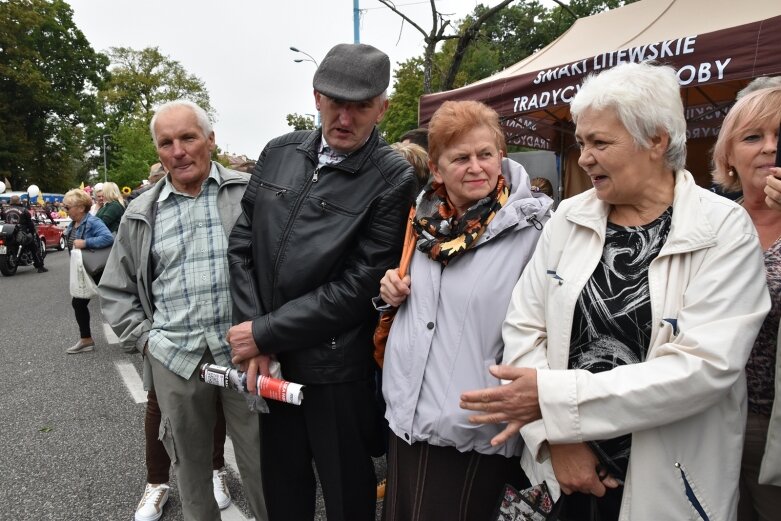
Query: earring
(731,171)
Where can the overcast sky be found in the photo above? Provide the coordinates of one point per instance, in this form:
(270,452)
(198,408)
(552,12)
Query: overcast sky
(240,49)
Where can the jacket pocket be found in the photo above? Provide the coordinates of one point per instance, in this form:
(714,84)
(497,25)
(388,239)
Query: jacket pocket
(330,207)
(692,494)
(166,436)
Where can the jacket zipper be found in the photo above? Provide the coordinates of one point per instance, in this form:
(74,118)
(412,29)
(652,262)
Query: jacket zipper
(690,493)
(289,227)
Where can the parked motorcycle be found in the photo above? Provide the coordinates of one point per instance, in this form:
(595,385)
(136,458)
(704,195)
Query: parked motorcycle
(13,248)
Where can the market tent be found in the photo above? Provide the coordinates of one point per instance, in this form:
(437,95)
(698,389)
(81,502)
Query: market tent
(718,46)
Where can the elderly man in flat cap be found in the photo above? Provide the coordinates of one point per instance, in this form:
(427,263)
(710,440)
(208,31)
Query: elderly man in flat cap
(322,219)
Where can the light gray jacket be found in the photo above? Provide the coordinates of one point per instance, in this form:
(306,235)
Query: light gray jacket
(126,286)
(448,331)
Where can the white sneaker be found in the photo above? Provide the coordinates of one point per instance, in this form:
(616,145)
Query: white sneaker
(221,493)
(150,508)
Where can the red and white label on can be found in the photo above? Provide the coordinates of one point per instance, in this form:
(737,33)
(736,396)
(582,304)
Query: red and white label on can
(280,390)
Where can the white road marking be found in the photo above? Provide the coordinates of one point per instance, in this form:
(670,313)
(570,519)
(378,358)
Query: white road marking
(232,513)
(111,338)
(132,381)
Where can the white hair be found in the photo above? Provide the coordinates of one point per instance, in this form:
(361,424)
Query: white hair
(646,98)
(763,82)
(200,115)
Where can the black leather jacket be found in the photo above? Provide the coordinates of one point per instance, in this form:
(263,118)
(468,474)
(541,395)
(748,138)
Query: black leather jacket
(308,252)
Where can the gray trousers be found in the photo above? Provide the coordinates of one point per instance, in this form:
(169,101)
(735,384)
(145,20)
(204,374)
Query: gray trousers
(187,425)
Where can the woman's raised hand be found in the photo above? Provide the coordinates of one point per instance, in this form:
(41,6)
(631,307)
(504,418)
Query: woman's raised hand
(394,290)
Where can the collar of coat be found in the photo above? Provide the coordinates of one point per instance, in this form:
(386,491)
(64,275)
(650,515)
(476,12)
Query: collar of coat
(690,229)
(354,160)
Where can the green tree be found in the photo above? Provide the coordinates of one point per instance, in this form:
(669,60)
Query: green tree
(48,77)
(505,38)
(140,81)
(300,121)
(135,152)
(402,114)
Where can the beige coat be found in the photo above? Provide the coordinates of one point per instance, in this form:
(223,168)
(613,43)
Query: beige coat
(686,404)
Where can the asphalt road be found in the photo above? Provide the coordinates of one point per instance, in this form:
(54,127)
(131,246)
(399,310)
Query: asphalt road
(71,432)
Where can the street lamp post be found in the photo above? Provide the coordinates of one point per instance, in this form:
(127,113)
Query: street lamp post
(308,58)
(105,160)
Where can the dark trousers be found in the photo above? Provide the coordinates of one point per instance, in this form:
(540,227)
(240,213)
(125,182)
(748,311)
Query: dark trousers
(431,483)
(335,427)
(158,463)
(35,251)
(81,309)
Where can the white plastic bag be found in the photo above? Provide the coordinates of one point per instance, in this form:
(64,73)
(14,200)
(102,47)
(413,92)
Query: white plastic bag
(81,284)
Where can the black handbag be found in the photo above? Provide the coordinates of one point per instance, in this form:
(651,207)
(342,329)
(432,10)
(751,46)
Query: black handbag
(95,261)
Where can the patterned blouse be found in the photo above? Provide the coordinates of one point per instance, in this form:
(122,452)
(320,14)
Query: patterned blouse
(761,366)
(612,320)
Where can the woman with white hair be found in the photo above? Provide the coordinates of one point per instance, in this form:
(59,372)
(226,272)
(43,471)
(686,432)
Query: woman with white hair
(627,335)
(113,206)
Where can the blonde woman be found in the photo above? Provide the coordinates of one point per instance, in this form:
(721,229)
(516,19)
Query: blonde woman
(417,156)
(113,206)
(84,231)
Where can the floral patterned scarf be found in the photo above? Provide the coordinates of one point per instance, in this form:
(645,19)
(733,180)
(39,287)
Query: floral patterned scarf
(443,236)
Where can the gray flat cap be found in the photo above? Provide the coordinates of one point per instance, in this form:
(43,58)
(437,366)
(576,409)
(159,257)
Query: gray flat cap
(353,72)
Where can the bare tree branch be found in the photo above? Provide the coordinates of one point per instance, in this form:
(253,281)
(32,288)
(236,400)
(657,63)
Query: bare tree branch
(439,24)
(566,8)
(469,34)
(390,5)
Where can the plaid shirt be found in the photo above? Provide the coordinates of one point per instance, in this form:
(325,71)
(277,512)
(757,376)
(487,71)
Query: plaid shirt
(191,287)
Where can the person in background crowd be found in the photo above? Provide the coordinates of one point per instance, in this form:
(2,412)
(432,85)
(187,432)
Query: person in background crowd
(247,166)
(13,212)
(322,219)
(477,225)
(113,206)
(61,212)
(97,196)
(542,185)
(755,84)
(165,292)
(743,159)
(84,231)
(27,234)
(418,136)
(763,82)
(156,173)
(627,336)
(418,158)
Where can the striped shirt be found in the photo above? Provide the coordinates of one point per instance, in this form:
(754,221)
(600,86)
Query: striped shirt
(191,288)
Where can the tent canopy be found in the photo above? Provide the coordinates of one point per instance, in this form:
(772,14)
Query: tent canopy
(717,46)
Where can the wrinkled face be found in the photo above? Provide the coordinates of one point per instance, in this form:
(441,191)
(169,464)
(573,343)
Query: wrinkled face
(753,153)
(99,197)
(348,124)
(469,167)
(621,171)
(183,149)
(75,209)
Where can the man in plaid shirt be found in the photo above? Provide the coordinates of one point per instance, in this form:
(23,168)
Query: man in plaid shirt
(165,292)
